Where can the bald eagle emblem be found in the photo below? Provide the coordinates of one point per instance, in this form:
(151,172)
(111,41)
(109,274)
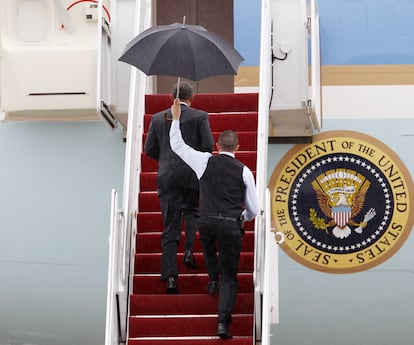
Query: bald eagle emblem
(341,197)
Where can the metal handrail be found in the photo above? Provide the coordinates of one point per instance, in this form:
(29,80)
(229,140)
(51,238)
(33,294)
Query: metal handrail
(122,247)
(261,170)
(270,312)
(113,321)
(265,337)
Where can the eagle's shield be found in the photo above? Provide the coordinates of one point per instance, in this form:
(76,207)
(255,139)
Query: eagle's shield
(341,215)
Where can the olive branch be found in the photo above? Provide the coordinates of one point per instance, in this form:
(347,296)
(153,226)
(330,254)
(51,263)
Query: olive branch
(318,223)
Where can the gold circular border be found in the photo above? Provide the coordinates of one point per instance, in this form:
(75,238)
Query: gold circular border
(343,135)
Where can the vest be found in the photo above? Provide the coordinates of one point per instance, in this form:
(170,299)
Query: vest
(222,190)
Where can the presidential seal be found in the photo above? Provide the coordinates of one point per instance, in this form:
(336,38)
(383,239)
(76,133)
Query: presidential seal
(343,203)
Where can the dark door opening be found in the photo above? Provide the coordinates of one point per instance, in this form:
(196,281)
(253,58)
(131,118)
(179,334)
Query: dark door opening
(214,15)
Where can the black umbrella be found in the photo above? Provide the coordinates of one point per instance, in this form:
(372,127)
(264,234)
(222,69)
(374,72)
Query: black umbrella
(187,51)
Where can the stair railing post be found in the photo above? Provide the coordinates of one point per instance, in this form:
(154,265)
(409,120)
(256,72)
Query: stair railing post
(113,325)
(135,130)
(271,275)
(118,304)
(262,157)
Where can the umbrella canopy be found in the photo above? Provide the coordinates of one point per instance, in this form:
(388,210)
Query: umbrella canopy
(179,50)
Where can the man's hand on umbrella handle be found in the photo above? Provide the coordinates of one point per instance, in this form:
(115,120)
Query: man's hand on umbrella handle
(176,109)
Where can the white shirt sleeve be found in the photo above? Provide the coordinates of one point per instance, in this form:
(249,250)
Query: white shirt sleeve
(197,160)
(250,201)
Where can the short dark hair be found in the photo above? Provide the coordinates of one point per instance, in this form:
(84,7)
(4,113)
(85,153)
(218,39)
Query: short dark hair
(228,140)
(185,92)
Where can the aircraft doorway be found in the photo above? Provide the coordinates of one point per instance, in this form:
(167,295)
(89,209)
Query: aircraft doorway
(214,15)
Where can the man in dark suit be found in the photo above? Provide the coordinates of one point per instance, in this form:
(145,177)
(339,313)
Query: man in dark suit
(177,184)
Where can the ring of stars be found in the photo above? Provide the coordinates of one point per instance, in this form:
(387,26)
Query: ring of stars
(337,248)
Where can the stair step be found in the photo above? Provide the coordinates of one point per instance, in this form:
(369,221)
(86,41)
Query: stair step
(182,304)
(152,222)
(247,140)
(148,199)
(150,242)
(186,283)
(211,103)
(185,326)
(191,341)
(239,122)
(148,181)
(151,262)
(148,164)
(149,202)
(248,158)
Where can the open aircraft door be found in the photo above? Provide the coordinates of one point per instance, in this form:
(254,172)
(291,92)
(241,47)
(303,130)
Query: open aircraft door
(55,60)
(295,106)
(315,104)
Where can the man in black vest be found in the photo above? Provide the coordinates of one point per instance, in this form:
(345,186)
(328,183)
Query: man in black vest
(176,183)
(226,187)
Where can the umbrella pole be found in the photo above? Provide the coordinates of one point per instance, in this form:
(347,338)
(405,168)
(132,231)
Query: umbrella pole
(178,87)
(178,82)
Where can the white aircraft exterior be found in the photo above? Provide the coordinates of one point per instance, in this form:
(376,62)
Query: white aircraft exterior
(60,164)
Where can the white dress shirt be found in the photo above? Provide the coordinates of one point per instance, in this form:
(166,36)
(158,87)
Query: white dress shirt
(198,160)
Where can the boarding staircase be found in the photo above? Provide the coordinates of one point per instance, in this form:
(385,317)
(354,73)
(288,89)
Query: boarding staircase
(138,310)
(190,317)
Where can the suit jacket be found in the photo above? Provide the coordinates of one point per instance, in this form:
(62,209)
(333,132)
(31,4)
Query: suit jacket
(195,128)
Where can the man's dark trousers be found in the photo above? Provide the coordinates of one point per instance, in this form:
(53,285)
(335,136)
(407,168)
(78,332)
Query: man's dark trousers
(228,233)
(174,202)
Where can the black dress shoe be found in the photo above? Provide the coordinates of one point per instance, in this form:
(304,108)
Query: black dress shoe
(171,286)
(212,287)
(189,261)
(222,331)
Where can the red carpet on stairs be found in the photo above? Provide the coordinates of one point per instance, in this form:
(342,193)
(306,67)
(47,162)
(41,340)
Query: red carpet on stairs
(190,318)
